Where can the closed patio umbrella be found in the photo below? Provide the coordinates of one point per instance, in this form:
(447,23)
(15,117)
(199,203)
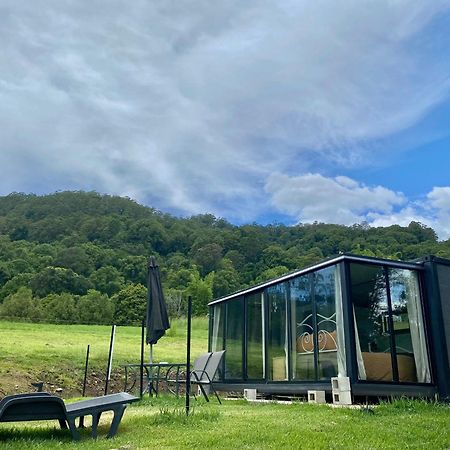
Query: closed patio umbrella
(157,319)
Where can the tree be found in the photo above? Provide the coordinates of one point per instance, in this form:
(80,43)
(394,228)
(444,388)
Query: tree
(5,274)
(226,279)
(179,279)
(273,272)
(208,258)
(237,258)
(19,233)
(422,232)
(150,232)
(57,280)
(14,284)
(95,307)
(19,305)
(134,268)
(74,258)
(174,302)
(107,279)
(130,304)
(274,255)
(200,289)
(18,266)
(59,308)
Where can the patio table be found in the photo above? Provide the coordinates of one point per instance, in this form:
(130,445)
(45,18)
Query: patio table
(171,374)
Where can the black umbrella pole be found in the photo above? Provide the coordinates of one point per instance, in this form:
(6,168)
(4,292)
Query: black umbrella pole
(86,370)
(141,373)
(188,355)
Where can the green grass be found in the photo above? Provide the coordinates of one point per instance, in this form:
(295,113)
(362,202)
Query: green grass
(56,353)
(28,351)
(161,423)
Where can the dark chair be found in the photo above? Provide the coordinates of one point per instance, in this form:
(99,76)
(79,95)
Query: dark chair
(43,406)
(204,370)
(39,385)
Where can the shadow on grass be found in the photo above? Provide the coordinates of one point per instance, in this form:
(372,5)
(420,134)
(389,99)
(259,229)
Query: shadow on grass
(33,434)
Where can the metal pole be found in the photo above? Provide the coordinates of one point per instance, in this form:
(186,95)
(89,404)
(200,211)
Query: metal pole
(188,355)
(111,350)
(141,373)
(86,370)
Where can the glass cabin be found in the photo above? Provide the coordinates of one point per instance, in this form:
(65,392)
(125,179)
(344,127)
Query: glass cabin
(384,324)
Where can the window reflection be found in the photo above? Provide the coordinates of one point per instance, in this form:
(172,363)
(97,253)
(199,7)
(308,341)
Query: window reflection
(233,336)
(315,341)
(390,336)
(325,299)
(408,330)
(255,337)
(278,332)
(217,327)
(303,365)
(372,320)
(217,332)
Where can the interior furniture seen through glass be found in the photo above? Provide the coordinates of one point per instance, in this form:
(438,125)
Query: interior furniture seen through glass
(277,332)
(390,335)
(313,311)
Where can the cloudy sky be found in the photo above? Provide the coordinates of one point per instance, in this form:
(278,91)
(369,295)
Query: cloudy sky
(284,110)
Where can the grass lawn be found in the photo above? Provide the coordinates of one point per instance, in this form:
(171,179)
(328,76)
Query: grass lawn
(161,423)
(56,353)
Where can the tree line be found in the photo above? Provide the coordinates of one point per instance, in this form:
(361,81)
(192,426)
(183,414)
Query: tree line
(81,257)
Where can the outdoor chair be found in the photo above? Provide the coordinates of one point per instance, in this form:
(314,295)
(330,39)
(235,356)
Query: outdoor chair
(44,406)
(204,370)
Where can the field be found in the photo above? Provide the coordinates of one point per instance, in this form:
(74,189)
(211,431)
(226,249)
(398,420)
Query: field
(56,354)
(29,350)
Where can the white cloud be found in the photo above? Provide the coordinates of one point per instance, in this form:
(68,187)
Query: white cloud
(342,200)
(439,198)
(190,106)
(313,197)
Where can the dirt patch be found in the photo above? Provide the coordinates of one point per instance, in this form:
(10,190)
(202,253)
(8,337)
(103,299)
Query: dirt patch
(60,383)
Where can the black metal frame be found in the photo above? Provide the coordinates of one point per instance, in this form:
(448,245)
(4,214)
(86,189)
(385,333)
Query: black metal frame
(436,330)
(432,316)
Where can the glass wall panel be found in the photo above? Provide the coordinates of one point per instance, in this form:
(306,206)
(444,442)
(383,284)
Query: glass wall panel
(390,333)
(408,329)
(325,301)
(443,272)
(315,300)
(278,332)
(233,336)
(302,345)
(255,337)
(217,327)
(371,311)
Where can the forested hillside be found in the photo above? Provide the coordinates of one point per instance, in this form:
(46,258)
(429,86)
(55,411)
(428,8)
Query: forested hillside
(80,257)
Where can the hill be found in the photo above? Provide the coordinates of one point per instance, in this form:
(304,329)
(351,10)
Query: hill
(85,254)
